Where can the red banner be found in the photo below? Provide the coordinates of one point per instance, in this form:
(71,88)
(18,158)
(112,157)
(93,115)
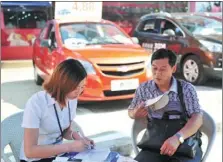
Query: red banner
(18,37)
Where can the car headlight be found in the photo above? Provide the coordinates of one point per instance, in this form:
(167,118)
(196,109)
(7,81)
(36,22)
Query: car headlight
(88,67)
(148,62)
(212,47)
(149,66)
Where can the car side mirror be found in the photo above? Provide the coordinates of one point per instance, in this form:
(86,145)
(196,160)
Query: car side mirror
(135,40)
(169,32)
(45,43)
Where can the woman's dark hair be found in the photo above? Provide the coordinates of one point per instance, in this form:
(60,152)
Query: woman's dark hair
(164,53)
(65,78)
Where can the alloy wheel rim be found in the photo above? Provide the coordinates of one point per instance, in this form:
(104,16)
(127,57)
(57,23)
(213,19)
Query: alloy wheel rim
(191,70)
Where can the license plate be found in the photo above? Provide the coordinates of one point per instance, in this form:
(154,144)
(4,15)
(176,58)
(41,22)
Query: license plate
(119,85)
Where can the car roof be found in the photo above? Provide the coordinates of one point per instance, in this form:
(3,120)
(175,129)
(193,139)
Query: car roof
(166,15)
(155,15)
(102,21)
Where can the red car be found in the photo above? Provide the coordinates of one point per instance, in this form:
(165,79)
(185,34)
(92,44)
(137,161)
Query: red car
(114,63)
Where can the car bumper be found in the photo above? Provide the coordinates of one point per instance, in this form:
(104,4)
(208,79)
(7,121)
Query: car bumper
(98,89)
(213,72)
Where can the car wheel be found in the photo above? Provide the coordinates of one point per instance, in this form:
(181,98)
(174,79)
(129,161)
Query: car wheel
(193,70)
(37,78)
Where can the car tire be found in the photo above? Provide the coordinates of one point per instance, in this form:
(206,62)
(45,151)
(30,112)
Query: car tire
(193,71)
(37,78)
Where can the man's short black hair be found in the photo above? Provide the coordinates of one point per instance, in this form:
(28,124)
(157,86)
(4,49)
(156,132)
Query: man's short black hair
(164,53)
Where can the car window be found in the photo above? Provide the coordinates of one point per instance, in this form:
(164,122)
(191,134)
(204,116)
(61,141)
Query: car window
(44,32)
(148,26)
(17,18)
(80,34)
(49,33)
(52,36)
(199,25)
(10,18)
(166,25)
(50,28)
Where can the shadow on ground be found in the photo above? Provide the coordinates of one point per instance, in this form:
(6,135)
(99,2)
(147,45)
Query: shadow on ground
(105,106)
(210,85)
(18,92)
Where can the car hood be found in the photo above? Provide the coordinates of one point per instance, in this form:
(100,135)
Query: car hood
(212,38)
(110,54)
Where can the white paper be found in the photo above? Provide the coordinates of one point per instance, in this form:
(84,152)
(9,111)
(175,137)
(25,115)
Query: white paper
(94,155)
(125,159)
(151,102)
(60,159)
(74,43)
(158,102)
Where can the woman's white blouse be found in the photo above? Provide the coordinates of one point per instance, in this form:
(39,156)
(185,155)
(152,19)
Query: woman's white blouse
(39,113)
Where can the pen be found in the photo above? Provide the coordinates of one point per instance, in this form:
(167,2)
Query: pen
(89,146)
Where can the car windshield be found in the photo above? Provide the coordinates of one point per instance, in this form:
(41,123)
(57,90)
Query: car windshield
(78,34)
(199,25)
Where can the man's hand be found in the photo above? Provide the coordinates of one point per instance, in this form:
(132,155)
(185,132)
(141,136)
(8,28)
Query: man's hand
(170,146)
(139,112)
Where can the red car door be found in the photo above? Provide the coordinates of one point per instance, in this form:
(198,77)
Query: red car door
(40,49)
(52,55)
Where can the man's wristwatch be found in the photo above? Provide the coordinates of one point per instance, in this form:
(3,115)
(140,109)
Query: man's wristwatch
(180,137)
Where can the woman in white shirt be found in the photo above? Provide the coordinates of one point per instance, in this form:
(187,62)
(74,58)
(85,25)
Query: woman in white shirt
(48,115)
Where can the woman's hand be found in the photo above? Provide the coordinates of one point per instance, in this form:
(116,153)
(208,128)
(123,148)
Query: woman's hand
(91,141)
(87,141)
(77,136)
(79,145)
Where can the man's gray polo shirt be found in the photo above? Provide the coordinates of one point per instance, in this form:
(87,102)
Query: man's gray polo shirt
(149,90)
